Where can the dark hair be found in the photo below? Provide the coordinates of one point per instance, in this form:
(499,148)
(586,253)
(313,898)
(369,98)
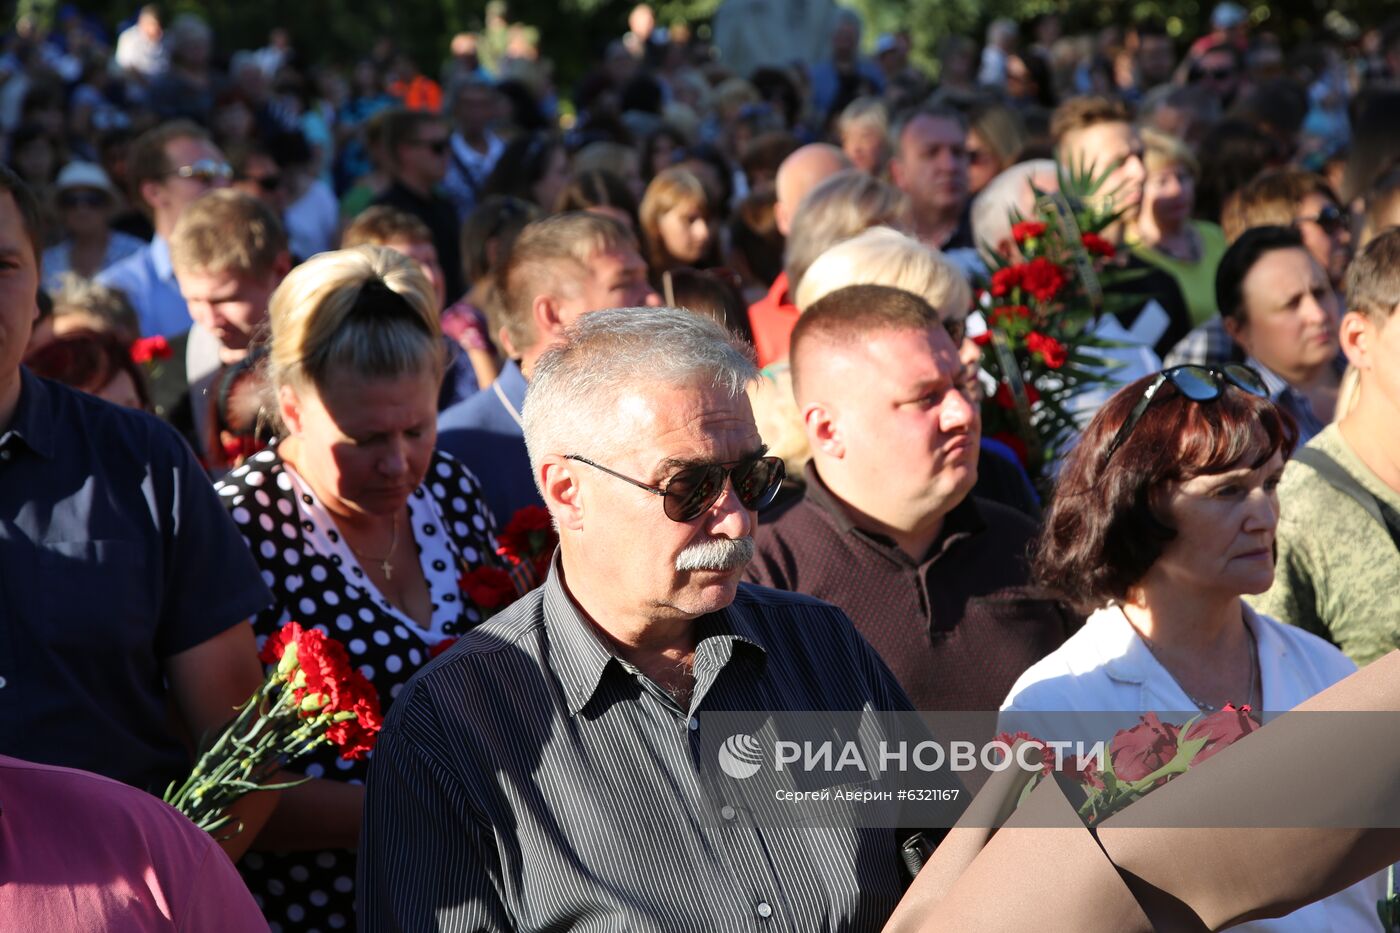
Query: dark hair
(401,126)
(712,293)
(497,219)
(1102,533)
(1240,258)
(643,94)
(775,86)
(753,232)
(1375,140)
(148,161)
(1232,152)
(28,206)
(666,131)
(598,188)
(522,163)
(88,361)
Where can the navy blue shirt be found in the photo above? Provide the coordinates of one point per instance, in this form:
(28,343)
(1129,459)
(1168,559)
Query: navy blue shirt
(483,433)
(115,554)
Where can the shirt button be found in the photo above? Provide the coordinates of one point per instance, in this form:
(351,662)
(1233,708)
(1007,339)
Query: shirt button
(765,909)
(4,682)
(726,811)
(694,724)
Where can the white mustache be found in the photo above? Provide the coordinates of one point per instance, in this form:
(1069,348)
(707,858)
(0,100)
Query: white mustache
(715,554)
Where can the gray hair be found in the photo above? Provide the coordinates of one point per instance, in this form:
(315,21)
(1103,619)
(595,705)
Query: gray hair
(577,383)
(991,209)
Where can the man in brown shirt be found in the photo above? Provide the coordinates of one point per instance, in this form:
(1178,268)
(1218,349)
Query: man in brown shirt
(933,578)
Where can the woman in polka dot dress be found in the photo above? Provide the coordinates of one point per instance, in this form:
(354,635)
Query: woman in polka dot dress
(361,529)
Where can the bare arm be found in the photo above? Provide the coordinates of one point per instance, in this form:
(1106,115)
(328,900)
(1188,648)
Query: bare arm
(207,682)
(319,814)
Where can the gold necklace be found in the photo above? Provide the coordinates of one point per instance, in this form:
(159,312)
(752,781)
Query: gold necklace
(384,562)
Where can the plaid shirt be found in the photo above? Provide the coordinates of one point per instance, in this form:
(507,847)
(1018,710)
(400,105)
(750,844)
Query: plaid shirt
(1207,345)
(1292,401)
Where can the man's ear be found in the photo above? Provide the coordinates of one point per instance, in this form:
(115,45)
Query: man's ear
(281,266)
(150,192)
(824,430)
(896,172)
(1237,329)
(545,311)
(558,479)
(1356,335)
(289,406)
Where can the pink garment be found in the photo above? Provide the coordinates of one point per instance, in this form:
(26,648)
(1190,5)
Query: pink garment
(465,323)
(82,853)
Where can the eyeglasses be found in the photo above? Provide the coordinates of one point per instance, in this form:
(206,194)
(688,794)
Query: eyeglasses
(81,198)
(695,489)
(1330,219)
(1199,384)
(435,146)
(205,170)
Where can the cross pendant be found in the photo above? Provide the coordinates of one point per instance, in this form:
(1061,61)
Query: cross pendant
(388,569)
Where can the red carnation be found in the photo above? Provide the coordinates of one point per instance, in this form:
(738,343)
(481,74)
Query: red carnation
(1027,230)
(1005,279)
(528,534)
(1051,350)
(1007,313)
(983,338)
(488,587)
(146,349)
(1098,245)
(1043,279)
(355,737)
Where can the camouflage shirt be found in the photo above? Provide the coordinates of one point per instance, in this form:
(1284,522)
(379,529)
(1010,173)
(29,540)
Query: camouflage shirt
(1338,573)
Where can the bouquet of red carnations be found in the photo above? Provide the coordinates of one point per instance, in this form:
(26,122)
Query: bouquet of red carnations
(1040,308)
(525,547)
(312,695)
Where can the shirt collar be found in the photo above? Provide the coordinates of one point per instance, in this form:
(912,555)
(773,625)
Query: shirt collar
(160,258)
(513,383)
(33,421)
(581,660)
(963,520)
(1125,656)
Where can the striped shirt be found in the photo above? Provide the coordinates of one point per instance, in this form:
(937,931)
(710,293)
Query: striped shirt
(530,779)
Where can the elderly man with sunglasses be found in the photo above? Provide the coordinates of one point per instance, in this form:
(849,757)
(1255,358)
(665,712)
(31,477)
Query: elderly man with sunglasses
(170,167)
(545,772)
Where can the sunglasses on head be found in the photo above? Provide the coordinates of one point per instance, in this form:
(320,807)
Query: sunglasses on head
(1330,219)
(80,198)
(695,489)
(1199,384)
(205,170)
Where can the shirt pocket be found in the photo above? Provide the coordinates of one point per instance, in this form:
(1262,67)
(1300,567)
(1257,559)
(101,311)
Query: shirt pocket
(96,596)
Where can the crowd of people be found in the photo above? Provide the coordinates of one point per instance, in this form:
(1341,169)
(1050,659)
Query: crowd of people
(292,339)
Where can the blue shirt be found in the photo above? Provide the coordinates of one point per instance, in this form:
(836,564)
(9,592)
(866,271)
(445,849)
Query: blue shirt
(148,280)
(115,554)
(484,434)
(1282,394)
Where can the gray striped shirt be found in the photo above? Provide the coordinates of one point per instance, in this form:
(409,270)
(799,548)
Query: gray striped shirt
(529,779)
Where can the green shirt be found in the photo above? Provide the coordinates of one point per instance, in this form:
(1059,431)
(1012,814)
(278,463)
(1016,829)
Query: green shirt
(1338,573)
(1195,279)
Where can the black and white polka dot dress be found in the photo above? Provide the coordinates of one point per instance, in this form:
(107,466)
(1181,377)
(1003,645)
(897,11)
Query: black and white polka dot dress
(318,582)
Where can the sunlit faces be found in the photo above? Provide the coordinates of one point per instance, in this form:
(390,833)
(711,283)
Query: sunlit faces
(232,306)
(685,230)
(624,531)
(1291,314)
(1326,232)
(363,444)
(19,286)
(982,163)
(907,432)
(170,196)
(867,148)
(614,280)
(425,254)
(1169,196)
(1225,525)
(930,163)
(1109,144)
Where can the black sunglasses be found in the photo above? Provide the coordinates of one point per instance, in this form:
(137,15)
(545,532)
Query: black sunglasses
(436,146)
(1330,219)
(268,183)
(695,489)
(1199,384)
